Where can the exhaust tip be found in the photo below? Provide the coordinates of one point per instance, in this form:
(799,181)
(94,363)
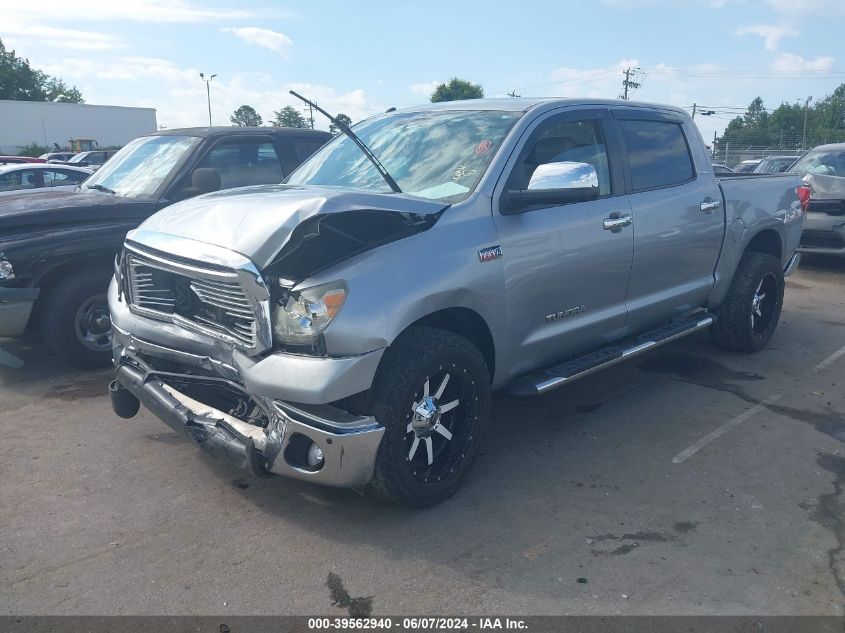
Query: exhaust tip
(123,403)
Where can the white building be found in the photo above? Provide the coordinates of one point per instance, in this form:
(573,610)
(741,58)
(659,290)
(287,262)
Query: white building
(46,123)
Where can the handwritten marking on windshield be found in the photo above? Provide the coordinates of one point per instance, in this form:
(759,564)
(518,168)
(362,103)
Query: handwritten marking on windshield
(463,170)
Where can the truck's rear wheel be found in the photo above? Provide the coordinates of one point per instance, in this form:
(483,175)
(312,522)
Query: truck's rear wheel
(432,393)
(749,316)
(75,320)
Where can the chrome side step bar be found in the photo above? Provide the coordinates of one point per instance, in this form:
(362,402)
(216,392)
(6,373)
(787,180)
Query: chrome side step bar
(542,381)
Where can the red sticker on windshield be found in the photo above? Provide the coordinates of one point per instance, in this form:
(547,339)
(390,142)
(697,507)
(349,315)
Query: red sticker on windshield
(483,146)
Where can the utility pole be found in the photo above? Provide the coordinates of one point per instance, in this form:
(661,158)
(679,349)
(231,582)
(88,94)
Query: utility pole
(208,93)
(694,107)
(806,111)
(310,115)
(512,93)
(628,82)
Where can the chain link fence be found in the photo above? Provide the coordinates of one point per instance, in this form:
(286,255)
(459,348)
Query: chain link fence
(731,153)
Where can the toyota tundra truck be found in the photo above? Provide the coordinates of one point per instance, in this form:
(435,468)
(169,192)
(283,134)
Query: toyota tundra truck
(348,327)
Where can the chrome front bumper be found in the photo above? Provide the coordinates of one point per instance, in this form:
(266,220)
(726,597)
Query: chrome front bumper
(15,308)
(276,376)
(348,443)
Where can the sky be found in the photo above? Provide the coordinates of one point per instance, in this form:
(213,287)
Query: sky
(362,58)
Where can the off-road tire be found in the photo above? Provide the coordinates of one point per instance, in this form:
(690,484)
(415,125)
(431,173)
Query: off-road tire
(58,315)
(418,354)
(733,328)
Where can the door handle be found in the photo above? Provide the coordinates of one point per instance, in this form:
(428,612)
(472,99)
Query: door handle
(616,223)
(709,206)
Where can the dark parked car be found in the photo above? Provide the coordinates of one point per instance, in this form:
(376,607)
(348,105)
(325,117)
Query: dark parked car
(94,159)
(775,164)
(57,249)
(57,156)
(19,159)
(746,166)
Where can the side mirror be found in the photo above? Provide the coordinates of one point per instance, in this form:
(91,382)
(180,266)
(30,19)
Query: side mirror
(554,184)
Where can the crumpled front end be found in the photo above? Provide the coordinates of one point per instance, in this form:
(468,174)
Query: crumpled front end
(320,444)
(192,342)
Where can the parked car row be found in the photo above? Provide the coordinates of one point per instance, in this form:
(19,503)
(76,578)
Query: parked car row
(93,159)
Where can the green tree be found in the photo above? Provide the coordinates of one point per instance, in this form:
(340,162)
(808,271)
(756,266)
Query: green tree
(33,149)
(783,128)
(289,117)
(246,116)
(19,81)
(456,89)
(343,119)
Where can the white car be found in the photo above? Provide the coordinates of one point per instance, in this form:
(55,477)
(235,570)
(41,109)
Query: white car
(25,177)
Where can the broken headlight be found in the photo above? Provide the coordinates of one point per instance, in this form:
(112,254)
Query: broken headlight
(299,317)
(7,271)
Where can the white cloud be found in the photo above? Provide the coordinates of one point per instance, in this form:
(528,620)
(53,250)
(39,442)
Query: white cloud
(791,63)
(62,38)
(808,7)
(275,41)
(163,11)
(424,89)
(772,34)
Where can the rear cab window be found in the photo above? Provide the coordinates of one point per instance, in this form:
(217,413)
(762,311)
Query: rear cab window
(658,154)
(244,162)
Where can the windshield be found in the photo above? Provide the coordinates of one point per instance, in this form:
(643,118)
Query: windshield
(435,155)
(140,168)
(830,162)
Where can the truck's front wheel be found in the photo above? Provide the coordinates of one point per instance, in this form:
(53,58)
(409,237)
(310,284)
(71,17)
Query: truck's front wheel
(432,394)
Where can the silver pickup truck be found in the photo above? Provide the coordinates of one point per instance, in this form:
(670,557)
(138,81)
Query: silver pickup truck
(348,327)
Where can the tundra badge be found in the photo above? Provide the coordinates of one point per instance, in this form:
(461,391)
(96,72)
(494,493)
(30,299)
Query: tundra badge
(564,313)
(489,254)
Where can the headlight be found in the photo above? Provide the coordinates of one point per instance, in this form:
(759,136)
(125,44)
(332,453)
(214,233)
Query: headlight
(300,317)
(7,271)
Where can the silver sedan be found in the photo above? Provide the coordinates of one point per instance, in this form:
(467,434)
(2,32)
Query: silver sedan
(30,177)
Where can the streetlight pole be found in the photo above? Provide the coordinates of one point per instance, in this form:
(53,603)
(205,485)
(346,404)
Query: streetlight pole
(208,93)
(806,110)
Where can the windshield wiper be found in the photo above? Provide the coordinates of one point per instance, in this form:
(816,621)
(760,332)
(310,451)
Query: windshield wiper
(367,151)
(102,188)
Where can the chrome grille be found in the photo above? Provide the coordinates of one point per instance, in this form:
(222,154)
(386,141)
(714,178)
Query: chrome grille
(144,290)
(217,306)
(229,298)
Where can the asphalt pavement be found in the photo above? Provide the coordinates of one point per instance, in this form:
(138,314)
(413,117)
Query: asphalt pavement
(687,481)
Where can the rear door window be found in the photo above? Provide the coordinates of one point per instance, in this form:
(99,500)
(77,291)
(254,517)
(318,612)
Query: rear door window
(658,155)
(18,180)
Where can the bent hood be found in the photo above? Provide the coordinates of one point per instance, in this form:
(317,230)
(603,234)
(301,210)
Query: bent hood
(258,221)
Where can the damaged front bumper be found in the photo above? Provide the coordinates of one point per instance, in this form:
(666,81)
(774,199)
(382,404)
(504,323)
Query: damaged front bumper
(347,443)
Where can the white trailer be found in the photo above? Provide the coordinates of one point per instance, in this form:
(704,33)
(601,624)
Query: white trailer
(46,123)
